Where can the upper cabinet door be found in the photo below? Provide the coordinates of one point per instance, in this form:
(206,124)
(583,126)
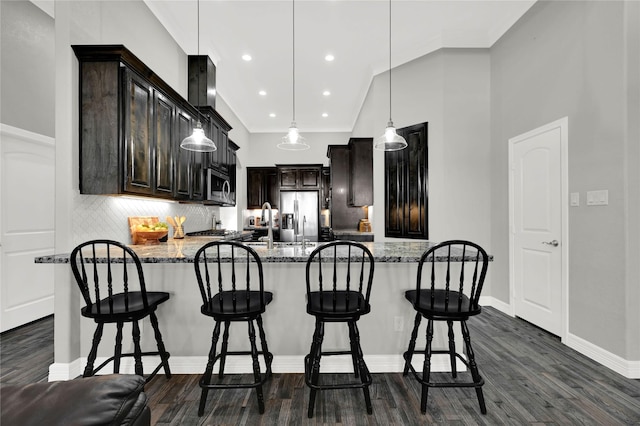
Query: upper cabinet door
(164,120)
(360,172)
(184,127)
(137,134)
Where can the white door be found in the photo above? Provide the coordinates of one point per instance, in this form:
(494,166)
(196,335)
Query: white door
(538,225)
(26,226)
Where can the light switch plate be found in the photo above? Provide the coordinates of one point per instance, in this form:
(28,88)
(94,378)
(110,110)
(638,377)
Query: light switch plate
(575,199)
(598,198)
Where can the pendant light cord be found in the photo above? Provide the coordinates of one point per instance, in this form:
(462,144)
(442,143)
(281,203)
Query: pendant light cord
(198,61)
(389,60)
(294,59)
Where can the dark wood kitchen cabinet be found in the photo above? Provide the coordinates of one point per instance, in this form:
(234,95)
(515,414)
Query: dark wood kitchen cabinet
(304,177)
(360,172)
(232,161)
(262,185)
(325,202)
(131,126)
(216,129)
(406,186)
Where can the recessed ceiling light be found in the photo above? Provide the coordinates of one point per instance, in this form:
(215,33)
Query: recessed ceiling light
(326,93)
(272,115)
(324,114)
(246,57)
(329,58)
(262,93)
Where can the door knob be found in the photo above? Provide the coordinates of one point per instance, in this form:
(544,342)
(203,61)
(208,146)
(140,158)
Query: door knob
(553,243)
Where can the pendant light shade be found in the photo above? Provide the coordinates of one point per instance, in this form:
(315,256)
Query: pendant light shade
(198,141)
(391,140)
(293,141)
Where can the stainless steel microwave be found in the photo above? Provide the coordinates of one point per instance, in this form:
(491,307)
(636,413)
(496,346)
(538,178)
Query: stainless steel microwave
(218,187)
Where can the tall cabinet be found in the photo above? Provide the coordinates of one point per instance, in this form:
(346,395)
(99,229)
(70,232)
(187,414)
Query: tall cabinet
(406,186)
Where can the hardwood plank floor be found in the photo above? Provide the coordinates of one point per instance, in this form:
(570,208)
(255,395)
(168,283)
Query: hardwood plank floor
(531,378)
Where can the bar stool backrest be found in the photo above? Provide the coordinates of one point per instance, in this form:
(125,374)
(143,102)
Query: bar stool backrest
(340,267)
(105,268)
(456,272)
(232,268)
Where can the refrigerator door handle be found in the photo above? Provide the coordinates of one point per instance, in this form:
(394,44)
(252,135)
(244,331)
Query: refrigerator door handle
(295,218)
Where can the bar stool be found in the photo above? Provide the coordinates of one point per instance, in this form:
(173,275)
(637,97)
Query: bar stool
(229,296)
(343,298)
(457,272)
(112,300)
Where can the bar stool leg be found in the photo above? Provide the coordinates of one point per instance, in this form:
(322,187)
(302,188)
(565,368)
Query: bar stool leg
(268,358)
(256,366)
(164,356)
(223,351)
(354,349)
(362,367)
(473,367)
(408,356)
(426,368)
(206,377)
(452,350)
(117,353)
(137,352)
(316,353)
(97,335)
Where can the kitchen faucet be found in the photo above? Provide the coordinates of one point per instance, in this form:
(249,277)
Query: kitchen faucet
(270,229)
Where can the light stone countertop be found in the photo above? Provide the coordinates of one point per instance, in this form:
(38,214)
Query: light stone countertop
(183,251)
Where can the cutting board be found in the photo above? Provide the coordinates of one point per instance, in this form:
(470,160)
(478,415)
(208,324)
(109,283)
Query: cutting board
(140,220)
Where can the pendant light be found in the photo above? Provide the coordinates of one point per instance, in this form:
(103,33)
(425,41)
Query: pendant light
(198,141)
(293,141)
(390,141)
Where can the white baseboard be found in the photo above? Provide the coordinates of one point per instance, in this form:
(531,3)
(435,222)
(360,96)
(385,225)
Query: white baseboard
(503,307)
(376,363)
(629,369)
(243,365)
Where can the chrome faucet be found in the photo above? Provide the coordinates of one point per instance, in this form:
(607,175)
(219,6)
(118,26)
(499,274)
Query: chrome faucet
(270,229)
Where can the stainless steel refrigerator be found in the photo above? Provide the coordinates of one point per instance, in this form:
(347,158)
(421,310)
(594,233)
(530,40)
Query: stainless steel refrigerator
(303,205)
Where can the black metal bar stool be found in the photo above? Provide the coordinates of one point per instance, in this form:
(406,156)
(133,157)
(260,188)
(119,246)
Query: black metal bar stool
(457,270)
(112,283)
(229,296)
(341,296)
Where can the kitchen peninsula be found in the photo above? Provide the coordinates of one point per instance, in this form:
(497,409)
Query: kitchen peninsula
(187,333)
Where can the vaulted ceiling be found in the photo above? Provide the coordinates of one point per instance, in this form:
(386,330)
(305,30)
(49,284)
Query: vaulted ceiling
(355,32)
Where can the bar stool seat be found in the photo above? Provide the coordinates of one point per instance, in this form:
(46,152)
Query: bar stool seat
(110,277)
(231,283)
(344,297)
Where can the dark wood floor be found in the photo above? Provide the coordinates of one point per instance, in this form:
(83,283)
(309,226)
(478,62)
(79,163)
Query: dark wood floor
(531,378)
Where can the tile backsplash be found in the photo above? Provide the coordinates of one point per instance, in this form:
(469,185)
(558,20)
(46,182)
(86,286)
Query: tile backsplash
(100,216)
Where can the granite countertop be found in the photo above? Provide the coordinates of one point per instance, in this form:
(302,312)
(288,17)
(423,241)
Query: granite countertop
(350,232)
(183,251)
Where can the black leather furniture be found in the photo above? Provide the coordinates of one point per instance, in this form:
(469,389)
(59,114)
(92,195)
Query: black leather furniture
(99,400)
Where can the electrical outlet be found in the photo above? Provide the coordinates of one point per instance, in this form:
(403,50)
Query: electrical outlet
(398,324)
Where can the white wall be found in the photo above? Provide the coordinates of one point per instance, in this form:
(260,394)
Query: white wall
(579,59)
(449,89)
